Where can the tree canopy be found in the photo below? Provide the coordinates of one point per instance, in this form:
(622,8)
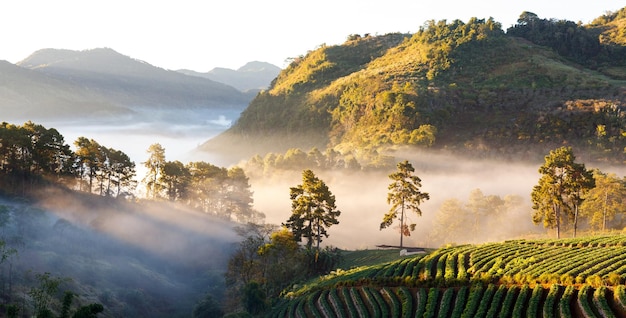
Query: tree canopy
(313,210)
(404,195)
(559,192)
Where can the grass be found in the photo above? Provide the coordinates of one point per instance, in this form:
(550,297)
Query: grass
(352,259)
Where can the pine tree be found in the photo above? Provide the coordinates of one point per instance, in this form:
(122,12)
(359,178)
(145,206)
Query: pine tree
(405,195)
(313,210)
(560,189)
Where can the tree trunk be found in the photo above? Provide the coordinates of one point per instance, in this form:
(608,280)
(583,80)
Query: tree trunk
(402,224)
(575,219)
(557,218)
(318,236)
(606,199)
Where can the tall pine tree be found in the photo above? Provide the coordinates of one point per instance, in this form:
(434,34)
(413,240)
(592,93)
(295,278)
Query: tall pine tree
(405,195)
(313,210)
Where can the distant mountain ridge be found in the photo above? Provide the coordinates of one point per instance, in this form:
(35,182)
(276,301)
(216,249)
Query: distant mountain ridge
(252,76)
(102,83)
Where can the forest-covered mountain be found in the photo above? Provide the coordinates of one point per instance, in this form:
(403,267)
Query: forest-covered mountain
(253,76)
(103,84)
(463,86)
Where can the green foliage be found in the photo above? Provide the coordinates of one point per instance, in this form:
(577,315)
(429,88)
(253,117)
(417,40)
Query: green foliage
(406,301)
(583,301)
(432,303)
(322,261)
(68,298)
(422,302)
(43,295)
(566,37)
(513,267)
(465,86)
(254,299)
(560,190)
(214,190)
(564,302)
(90,311)
(459,302)
(404,195)
(473,302)
(112,170)
(486,301)
(602,203)
(12,311)
(313,210)
(533,309)
(474,220)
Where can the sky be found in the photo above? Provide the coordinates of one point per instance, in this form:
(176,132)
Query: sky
(203,34)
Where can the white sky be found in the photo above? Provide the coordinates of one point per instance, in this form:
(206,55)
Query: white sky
(203,34)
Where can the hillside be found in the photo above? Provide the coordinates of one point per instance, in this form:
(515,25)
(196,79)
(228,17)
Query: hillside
(144,259)
(463,86)
(254,76)
(580,277)
(104,84)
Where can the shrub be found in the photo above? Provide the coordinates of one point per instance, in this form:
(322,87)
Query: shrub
(614,279)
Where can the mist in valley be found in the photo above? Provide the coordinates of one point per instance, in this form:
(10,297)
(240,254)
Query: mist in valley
(127,256)
(147,259)
(362,199)
(132,254)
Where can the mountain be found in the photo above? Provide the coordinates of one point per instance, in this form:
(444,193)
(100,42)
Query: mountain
(101,83)
(26,93)
(253,76)
(460,86)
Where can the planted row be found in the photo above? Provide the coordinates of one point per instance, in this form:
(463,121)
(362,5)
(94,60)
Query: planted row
(477,301)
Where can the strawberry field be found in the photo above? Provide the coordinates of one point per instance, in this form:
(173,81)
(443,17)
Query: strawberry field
(581,277)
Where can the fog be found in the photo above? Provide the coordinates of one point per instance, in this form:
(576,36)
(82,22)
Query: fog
(362,197)
(149,259)
(180,132)
(156,252)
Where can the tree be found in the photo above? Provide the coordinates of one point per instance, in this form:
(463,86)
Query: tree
(281,262)
(90,159)
(238,196)
(43,295)
(175,178)
(206,186)
(254,299)
(451,221)
(313,209)
(268,257)
(405,195)
(155,164)
(207,308)
(122,171)
(560,189)
(604,202)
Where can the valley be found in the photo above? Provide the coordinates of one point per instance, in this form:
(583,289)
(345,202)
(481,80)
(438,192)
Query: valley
(161,193)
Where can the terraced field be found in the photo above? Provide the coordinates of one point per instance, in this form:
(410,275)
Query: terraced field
(581,277)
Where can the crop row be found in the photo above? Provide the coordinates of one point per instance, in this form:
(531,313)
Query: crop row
(491,301)
(595,261)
